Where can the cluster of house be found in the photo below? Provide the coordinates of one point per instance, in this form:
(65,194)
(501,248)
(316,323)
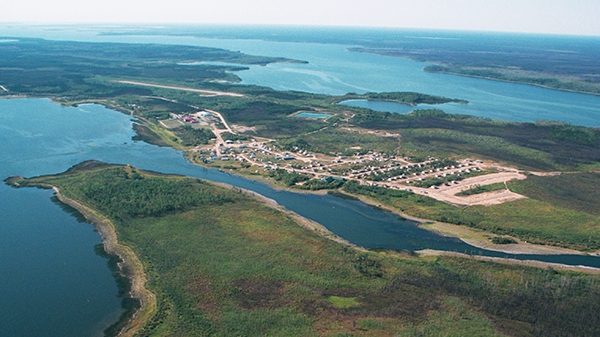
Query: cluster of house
(195,117)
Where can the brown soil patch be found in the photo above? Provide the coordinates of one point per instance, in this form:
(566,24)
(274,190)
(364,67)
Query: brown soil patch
(259,293)
(447,194)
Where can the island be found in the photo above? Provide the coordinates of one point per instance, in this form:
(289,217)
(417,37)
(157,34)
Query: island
(202,259)
(555,69)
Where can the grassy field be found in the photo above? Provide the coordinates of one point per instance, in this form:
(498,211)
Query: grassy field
(346,142)
(223,264)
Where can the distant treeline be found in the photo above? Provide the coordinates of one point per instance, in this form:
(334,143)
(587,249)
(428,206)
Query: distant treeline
(412,98)
(40,67)
(570,84)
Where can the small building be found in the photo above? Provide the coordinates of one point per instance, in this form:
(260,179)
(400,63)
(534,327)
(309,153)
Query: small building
(203,114)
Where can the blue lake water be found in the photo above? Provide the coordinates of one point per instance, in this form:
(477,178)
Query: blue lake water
(51,281)
(392,106)
(312,115)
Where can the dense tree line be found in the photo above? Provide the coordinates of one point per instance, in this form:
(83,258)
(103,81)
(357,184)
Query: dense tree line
(288,178)
(122,194)
(192,137)
(403,97)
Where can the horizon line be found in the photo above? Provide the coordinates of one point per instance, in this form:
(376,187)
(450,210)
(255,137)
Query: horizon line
(278,25)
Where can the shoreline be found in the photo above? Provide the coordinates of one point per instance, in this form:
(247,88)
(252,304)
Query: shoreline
(513,82)
(130,265)
(479,77)
(475,237)
(509,261)
(472,236)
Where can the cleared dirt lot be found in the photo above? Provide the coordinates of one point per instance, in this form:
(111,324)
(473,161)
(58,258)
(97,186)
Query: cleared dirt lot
(448,193)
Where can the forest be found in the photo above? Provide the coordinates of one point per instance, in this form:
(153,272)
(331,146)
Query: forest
(76,69)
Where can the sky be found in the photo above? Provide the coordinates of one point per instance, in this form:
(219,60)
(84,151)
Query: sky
(573,17)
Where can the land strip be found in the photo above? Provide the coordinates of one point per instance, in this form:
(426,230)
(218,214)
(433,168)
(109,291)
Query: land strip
(130,265)
(201,91)
(508,261)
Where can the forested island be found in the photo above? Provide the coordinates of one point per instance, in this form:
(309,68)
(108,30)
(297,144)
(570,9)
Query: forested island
(545,68)
(220,262)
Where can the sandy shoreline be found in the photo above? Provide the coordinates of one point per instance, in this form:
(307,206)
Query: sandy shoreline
(475,237)
(131,267)
(502,260)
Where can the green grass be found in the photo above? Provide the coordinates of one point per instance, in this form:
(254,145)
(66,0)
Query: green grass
(343,302)
(333,140)
(502,240)
(579,191)
(456,320)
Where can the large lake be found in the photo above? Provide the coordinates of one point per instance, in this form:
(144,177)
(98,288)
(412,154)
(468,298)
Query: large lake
(51,281)
(334,70)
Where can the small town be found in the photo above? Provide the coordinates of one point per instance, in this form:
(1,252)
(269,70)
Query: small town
(439,179)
